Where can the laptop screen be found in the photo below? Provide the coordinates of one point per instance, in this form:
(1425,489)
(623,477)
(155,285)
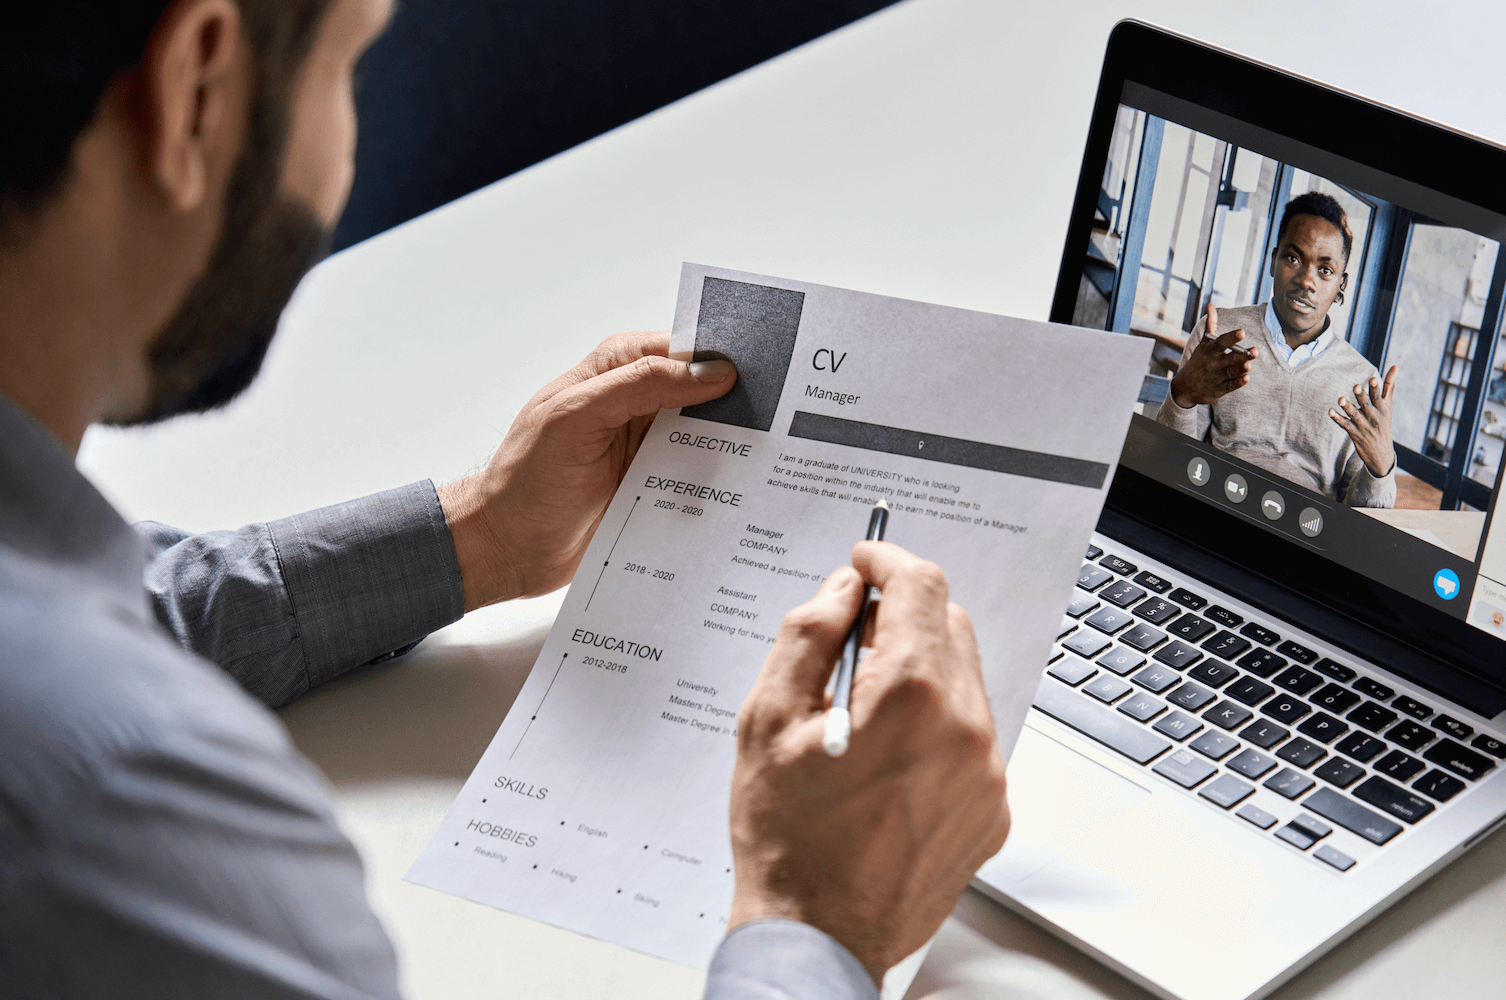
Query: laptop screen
(1359,413)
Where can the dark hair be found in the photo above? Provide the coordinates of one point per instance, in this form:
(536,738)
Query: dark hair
(58,58)
(1324,207)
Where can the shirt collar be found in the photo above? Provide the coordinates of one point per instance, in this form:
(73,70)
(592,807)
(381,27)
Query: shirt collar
(50,513)
(1311,349)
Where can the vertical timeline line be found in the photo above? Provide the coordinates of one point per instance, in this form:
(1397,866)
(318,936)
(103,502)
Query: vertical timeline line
(540,706)
(609,554)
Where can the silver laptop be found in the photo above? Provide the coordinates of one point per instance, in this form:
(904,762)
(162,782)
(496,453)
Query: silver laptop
(1275,704)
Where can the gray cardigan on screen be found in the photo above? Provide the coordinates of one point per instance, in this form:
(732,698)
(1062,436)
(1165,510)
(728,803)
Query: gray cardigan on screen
(159,834)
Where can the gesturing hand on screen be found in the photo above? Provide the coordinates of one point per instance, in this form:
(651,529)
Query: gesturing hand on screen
(1367,421)
(1216,367)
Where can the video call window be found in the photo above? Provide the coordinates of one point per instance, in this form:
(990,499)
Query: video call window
(1184,219)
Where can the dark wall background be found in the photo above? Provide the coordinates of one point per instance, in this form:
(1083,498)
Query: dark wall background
(459,93)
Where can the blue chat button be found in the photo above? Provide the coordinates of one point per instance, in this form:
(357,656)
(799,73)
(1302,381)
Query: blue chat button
(1446,584)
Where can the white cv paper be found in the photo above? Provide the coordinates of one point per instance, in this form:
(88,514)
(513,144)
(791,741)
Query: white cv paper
(601,804)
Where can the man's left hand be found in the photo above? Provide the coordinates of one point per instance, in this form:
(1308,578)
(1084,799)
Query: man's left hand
(521,525)
(1367,421)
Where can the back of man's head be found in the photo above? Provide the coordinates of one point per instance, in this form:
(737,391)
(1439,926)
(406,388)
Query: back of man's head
(58,58)
(1325,207)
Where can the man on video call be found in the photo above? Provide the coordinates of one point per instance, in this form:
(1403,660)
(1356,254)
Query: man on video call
(169,169)
(1276,389)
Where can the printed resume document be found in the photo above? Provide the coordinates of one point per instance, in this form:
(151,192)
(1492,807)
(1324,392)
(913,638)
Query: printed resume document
(601,804)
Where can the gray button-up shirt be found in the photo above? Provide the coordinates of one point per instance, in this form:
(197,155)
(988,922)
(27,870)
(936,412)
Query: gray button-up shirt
(159,834)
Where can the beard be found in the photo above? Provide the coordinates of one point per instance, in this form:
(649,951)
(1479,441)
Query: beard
(212,348)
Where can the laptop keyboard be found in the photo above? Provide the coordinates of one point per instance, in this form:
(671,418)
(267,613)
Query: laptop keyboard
(1247,718)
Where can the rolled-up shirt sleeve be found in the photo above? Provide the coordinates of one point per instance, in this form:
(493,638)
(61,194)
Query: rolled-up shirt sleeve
(287,605)
(785,960)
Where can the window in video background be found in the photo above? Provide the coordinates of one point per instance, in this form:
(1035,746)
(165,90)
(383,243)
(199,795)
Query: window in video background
(1191,219)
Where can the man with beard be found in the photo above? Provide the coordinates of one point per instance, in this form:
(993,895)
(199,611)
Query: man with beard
(169,171)
(1282,401)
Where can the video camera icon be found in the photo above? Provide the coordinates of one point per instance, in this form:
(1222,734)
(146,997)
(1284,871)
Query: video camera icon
(1236,489)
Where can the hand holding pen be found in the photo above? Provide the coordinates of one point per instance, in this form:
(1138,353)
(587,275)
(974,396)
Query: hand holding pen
(839,719)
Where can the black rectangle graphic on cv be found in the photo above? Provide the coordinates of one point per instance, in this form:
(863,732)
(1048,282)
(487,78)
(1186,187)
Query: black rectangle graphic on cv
(754,327)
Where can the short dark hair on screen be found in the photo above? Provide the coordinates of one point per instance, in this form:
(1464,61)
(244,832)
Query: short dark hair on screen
(1324,207)
(58,57)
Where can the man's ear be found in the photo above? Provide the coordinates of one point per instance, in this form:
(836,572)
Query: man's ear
(1344,281)
(196,89)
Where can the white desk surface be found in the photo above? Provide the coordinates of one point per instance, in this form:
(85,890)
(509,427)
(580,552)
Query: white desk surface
(928,152)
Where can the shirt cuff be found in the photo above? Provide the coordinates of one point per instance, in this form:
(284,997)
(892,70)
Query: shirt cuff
(785,960)
(368,577)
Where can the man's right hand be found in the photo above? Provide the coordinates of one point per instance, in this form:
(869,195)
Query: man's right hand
(873,847)
(1214,369)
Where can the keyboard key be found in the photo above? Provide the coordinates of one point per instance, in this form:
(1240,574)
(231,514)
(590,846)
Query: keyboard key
(1099,723)
(1251,763)
(1227,791)
(1351,816)
(1453,727)
(1361,747)
(1260,634)
(1339,772)
(1116,565)
(1284,709)
(1178,726)
(1410,735)
(1214,673)
(1298,838)
(1258,816)
(1323,728)
(1389,798)
(1338,859)
(1188,599)
(1249,691)
(1087,643)
(1337,700)
(1297,680)
(1437,785)
(1184,768)
(1093,552)
(1071,670)
(1109,620)
(1122,593)
(1264,734)
(1081,605)
(1215,745)
(1142,637)
(1399,766)
(1068,627)
(1107,688)
(1177,654)
(1150,581)
(1091,577)
(1336,670)
(1157,677)
(1142,707)
(1190,627)
(1224,617)
(1299,653)
(1157,610)
(1227,715)
(1289,783)
(1452,757)
(1412,707)
(1262,662)
(1490,745)
(1372,717)
(1191,696)
(1226,644)
(1120,660)
(1302,753)
(1373,689)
